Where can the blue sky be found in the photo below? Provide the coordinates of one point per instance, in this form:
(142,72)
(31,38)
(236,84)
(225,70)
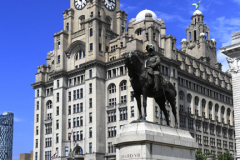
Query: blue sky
(27,29)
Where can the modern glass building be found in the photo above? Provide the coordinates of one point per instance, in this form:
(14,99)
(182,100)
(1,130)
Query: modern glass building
(6,135)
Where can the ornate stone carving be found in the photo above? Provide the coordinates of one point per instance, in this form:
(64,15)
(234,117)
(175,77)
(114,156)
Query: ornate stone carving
(191,45)
(234,64)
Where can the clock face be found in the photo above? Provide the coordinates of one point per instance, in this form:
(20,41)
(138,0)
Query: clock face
(110,4)
(80,4)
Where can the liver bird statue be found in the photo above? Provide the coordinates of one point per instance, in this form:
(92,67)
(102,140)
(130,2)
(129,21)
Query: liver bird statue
(196,5)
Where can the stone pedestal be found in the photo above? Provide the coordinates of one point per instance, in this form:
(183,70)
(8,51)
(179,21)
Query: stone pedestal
(149,141)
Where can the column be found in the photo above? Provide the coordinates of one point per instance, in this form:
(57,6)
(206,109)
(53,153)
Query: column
(233,64)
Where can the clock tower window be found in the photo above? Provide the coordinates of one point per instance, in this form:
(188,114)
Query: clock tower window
(67,27)
(91,46)
(91,32)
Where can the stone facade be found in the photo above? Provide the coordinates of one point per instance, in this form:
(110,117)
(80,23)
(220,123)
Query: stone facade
(84,87)
(26,156)
(233,51)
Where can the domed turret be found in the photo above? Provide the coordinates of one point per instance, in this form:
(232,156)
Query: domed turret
(197,12)
(146,13)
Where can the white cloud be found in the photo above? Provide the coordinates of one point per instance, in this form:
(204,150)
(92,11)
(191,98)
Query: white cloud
(237,1)
(17,119)
(127,8)
(222,30)
(170,17)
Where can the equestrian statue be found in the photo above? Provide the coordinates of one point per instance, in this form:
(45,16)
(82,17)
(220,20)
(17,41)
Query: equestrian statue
(148,82)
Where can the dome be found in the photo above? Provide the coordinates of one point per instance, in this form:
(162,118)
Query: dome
(197,12)
(141,15)
(202,34)
(213,40)
(183,40)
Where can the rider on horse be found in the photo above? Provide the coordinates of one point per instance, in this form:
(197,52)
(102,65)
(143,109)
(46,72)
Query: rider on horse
(152,66)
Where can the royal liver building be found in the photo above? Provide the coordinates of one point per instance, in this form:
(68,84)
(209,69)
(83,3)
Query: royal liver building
(83,94)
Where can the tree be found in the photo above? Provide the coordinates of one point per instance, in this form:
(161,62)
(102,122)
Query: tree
(225,156)
(200,156)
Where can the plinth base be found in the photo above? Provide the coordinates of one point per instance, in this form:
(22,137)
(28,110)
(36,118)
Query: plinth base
(148,141)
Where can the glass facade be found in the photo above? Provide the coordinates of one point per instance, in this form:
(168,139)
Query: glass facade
(6,135)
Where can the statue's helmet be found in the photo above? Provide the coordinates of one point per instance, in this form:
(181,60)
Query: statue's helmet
(150,47)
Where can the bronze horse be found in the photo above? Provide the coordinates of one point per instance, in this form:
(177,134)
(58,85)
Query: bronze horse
(141,86)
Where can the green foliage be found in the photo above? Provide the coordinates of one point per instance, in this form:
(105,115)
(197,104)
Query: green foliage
(200,156)
(225,156)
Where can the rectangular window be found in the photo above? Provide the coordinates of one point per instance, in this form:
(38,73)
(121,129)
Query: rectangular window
(57,112)
(36,156)
(69,96)
(205,127)
(100,47)
(57,97)
(81,135)
(211,129)
(90,147)
(198,139)
(91,46)
(57,138)
(90,73)
(198,125)
(156,112)
(124,99)
(90,117)
(90,132)
(36,145)
(81,93)
(37,118)
(59,58)
(37,105)
(132,96)
(90,102)
(69,110)
(69,123)
(38,93)
(174,73)
(59,45)
(182,121)
(91,32)
(132,111)
(219,143)
(123,114)
(100,32)
(67,27)
(81,107)
(74,95)
(81,121)
(57,124)
(205,140)
(112,131)
(37,130)
(78,96)
(90,88)
(66,151)
(212,142)
(57,83)
(190,123)
(112,116)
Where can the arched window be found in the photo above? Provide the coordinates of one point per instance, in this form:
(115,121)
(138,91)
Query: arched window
(210,105)
(196,100)
(123,85)
(112,88)
(49,104)
(222,109)
(189,98)
(203,103)
(216,107)
(78,150)
(181,95)
(139,32)
(228,111)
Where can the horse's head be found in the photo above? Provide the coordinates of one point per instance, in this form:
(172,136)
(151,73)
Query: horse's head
(133,63)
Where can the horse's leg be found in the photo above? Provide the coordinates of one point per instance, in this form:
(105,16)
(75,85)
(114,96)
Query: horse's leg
(144,103)
(172,100)
(138,98)
(161,103)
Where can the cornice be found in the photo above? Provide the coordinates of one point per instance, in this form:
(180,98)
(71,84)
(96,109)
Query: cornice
(205,82)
